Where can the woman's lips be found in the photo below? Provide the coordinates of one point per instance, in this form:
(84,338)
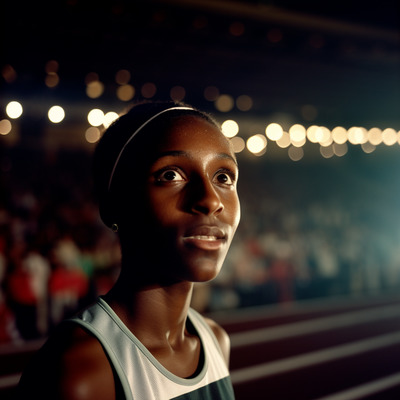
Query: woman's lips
(204,242)
(205,238)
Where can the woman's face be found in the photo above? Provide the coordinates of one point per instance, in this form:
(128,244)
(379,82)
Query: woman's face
(191,208)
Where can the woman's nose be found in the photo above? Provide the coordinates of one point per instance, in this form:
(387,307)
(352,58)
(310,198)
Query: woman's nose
(204,198)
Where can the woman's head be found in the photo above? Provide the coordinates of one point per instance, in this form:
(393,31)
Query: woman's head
(167,176)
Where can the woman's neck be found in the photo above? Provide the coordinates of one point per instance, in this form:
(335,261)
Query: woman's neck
(154,313)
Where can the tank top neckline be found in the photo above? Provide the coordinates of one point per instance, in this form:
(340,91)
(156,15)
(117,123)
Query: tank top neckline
(200,370)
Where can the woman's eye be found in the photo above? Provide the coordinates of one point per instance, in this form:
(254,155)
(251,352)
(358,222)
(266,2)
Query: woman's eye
(224,178)
(170,175)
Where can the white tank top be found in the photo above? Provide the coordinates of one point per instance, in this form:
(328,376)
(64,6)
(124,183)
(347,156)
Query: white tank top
(142,377)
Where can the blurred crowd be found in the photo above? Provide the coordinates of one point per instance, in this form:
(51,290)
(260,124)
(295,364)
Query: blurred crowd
(313,231)
(55,254)
(295,241)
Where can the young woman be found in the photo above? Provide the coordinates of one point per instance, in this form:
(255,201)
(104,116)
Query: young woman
(166,180)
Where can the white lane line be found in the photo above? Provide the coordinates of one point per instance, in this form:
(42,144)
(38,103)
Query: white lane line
(264,335)
(268,369)
(366,389)
(303,307)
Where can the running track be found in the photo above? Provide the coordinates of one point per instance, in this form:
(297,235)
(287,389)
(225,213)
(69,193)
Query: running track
(339,349)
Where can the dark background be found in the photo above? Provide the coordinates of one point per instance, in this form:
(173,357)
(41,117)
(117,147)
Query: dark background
(311,228)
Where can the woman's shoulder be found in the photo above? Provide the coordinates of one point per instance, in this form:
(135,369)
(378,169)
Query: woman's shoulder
(71,365)
(222,338)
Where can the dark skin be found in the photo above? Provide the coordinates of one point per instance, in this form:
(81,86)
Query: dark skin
(188,216)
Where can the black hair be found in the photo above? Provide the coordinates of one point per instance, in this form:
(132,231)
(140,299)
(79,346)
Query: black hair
(105,164)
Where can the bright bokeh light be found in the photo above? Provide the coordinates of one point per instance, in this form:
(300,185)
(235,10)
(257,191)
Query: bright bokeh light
(357,135)
(284,141)
(92,134)
(230,128)
(299,143)
(95,117)
(375,136)
(328,141)
(339,135)
(312,134)
(56,114)
(14,109)
(274,131)
(297,133)
(323,134)
(5,127)
(256,143)
(109,118)
(331,143)
(238,144)
(389,136)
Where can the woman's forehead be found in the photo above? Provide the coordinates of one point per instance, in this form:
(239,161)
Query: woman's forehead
(193,132)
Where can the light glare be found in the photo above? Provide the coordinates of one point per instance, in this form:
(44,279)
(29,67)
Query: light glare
(297,133)
(375,136)
(230,128)
(284,141)
(339,135)
(389,136)
(274,131)
(14,109)
(322,134)
(56,114)
(95,117)
(109,118)
(256,144)
(357,135)
(312,134)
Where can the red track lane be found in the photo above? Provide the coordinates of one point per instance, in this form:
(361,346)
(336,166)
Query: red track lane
(346,351)
(325,379)
(267,316)
(272,351)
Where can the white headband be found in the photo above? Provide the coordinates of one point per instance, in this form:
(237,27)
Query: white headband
(136,132)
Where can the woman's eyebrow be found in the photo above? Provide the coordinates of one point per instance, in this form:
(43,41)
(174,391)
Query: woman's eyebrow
(181,153)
